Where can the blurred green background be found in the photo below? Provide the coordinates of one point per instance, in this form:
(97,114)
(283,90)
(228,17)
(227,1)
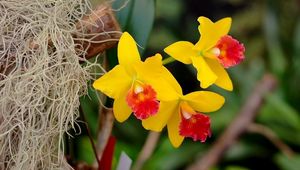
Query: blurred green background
(270,32)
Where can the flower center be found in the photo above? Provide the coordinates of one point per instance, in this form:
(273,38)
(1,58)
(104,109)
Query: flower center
(193,124)
(141,98)
(229,51)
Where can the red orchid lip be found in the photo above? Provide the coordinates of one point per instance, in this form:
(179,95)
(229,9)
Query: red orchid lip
(231,51)
(196,125)
(141,98)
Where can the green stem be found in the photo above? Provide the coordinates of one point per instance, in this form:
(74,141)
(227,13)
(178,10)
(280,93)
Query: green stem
(168,60)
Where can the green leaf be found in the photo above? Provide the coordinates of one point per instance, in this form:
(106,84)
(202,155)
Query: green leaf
(283,119)
(85,151)
(168,158)
(276,110)
(135,17)
(141,21)
(123,11)
(170,12)
(289,135)
(276,54)
(289,113)
(296,44)
(235,168)
(287,163)
(243,149)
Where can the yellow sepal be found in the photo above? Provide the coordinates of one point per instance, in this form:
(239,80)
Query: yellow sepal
(204,101)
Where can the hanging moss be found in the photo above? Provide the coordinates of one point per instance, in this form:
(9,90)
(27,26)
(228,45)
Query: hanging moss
(41,79)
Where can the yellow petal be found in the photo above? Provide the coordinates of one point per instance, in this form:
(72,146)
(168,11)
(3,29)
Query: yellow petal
(211,32)
(166,75)
(151,72)
(204,101)
(223,79)
(158,121)
(181,51)
(114,83)
(121,110)
(154,63)
(128,53)
(173,130)
(205,74)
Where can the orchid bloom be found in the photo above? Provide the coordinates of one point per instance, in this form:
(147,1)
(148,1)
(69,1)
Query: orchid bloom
(211,54)
(184,115)
(134,85)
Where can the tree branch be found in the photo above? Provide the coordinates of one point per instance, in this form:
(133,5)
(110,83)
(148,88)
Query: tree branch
(147,150)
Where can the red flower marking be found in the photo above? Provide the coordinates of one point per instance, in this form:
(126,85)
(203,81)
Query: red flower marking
(141,98)
(231,52)
(194,125)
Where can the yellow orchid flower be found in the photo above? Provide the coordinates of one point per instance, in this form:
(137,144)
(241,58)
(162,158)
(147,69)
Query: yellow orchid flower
(134,85)
(214,51)
(182,115)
